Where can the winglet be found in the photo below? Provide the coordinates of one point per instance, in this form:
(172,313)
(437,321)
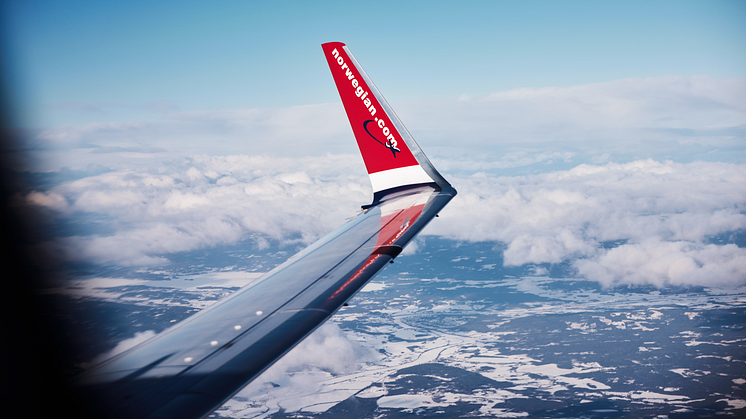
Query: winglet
(392,157)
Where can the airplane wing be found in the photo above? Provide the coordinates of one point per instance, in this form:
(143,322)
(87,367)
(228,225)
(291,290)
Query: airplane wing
(189,370)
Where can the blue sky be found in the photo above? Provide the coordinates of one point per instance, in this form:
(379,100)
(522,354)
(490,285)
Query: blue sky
(86,61)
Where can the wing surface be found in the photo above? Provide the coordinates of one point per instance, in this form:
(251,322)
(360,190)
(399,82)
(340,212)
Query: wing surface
(391,155)
(189,370)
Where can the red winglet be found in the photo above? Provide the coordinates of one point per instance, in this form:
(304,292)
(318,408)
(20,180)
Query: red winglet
(388,157)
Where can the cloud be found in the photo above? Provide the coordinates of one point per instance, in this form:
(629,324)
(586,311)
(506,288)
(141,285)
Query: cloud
(508,160)
(135,149)
(124,345)
(412,247)
(662,213)
(297,131)
(208,201)
(326,349)
(180,182)
(686,118)
(658,103)
(601,218)
(663,102)
(74,135)
(659,263)
(50,200)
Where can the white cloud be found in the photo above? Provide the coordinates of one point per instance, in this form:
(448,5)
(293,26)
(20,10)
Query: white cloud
(295,132)
(412,247)
(326,349)
(664,102)
(301,379)
(685,117)
(209,201)
(670,102)
(144,245)
(202,192)
(665,263)
(67,135)
(664,211)
(51,200)
(660,214)
(124,345)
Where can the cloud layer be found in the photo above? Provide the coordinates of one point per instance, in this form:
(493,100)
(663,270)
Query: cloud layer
(197,179)
(207,201)
(644,222)
(659,217)
(672,117)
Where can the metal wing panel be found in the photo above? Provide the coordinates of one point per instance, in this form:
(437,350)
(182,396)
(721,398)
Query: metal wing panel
(198,364)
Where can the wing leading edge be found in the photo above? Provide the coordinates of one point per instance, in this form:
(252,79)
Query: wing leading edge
(192,368)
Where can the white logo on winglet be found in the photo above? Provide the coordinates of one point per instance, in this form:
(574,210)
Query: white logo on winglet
(391,142)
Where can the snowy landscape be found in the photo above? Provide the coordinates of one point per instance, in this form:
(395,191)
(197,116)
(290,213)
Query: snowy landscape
(446,330)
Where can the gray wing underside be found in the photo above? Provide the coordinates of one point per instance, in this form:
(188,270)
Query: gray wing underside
(192,368)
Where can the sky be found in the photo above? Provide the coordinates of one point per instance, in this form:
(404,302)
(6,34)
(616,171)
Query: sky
(206,56)
(607,136)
